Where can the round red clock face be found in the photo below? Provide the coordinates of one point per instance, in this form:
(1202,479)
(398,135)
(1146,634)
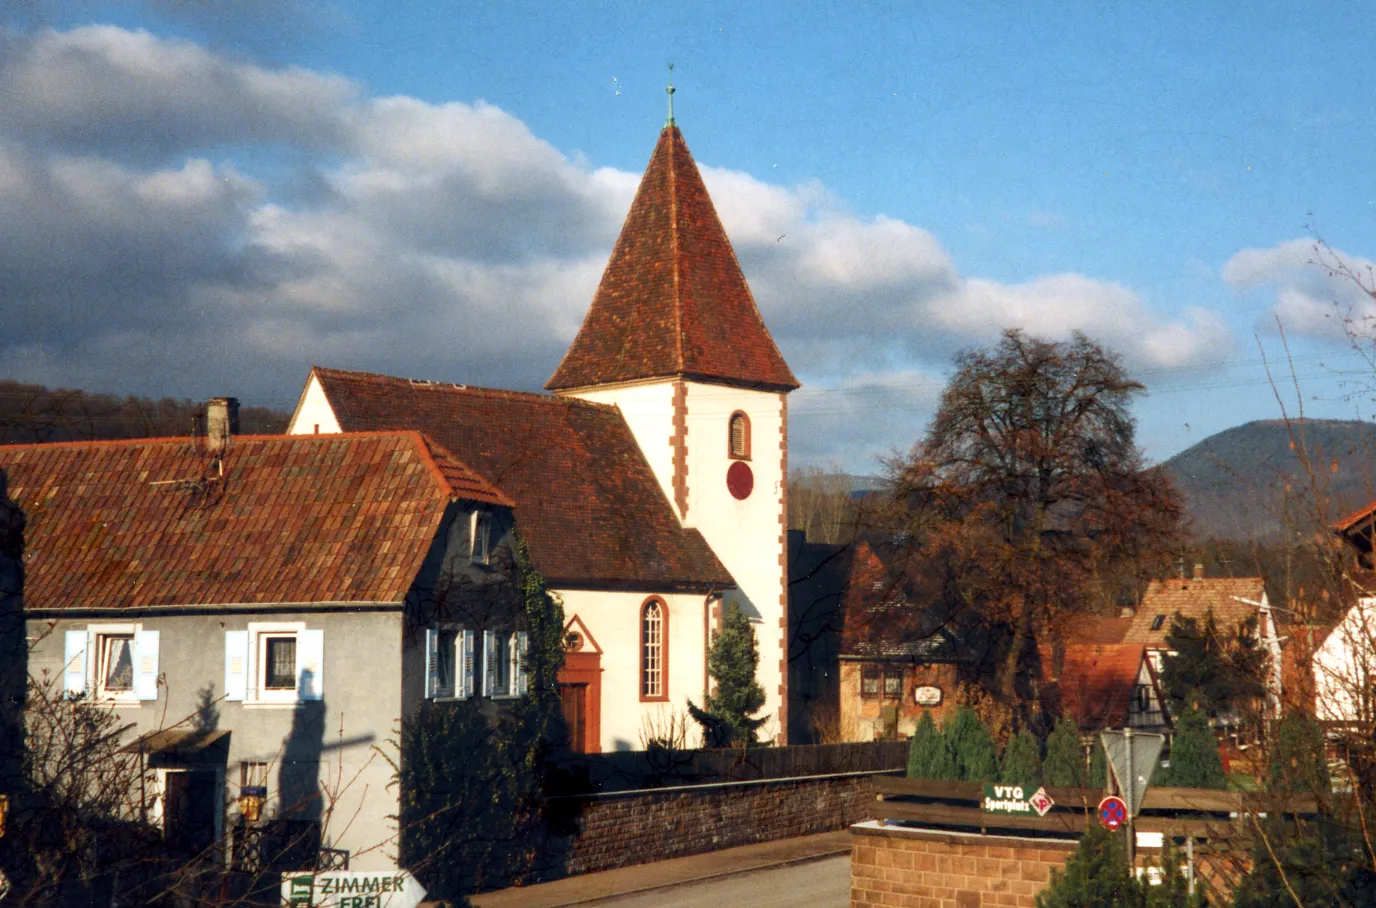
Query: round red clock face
(740,481)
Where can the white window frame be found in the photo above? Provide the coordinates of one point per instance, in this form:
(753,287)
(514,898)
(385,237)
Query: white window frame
(510,653)
(96,635)
(480,537)
(258,634)
(463,678)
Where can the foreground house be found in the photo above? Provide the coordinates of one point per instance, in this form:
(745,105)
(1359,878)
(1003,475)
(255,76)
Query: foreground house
(650,485)
(262,611)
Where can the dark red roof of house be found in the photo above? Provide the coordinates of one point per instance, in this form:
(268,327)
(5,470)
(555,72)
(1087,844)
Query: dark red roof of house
(673,300)
(292,519)
(586,500)
(1096,682)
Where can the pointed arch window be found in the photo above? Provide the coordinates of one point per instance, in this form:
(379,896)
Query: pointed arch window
(739,436)
(654,650)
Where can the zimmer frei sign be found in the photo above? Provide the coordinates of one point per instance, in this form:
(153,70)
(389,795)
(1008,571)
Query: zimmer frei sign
(1015,800)
(352,889)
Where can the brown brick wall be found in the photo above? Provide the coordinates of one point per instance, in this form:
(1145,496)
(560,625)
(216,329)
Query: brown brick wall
(640,827)
(912,868)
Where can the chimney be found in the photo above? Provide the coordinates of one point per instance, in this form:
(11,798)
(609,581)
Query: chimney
(221,423)
(1198,571)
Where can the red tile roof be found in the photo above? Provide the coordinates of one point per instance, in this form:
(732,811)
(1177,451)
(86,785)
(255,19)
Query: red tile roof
(586,500)
(293,519)
(1097,681)
(1192,598)
(673,300)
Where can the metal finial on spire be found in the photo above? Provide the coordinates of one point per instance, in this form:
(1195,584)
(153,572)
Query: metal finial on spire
(670,91)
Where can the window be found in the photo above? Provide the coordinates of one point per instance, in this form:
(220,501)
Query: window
(115,670)
(740,436)
(481,537)
(449,662)
(653,653)
(1143,698)
(112,662)
(893,683)
(1157,622)
(274,663)
(869,682)
(279,664)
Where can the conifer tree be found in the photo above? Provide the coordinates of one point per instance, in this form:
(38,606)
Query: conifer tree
(1065,760)
(732,660)
(972,747)
(1298,762)
(928,756)
(1096,875)
(1021,764)
(1195,761)
(1098,766)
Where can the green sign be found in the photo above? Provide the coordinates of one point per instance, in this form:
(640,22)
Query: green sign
(1016,800)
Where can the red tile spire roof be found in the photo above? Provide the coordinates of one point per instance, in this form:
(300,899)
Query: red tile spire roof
(673,300)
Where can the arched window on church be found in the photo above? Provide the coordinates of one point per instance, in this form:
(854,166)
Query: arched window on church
(654,650)
(740,436)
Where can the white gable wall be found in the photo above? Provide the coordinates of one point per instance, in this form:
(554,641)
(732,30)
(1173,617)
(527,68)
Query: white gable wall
(1345,666)
(313,412)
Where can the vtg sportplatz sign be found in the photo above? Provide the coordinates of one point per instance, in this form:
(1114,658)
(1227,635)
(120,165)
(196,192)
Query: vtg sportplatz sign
(1015,799)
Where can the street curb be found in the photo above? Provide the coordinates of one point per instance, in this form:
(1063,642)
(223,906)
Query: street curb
(787,862)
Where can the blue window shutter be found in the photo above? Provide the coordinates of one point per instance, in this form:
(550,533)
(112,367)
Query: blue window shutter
(470,663)
(236,665)
(146,665)
(432,644)
(310,665)
(74,663)
(489,663)
(522,677)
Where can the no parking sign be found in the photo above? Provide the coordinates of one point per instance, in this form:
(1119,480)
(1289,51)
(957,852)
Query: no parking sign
(1113,813)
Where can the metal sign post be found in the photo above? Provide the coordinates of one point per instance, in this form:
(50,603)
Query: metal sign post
(1132,756)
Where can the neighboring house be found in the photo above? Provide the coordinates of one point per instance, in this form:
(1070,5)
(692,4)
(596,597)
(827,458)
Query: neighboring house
(651,485)
(1344,662)
(1232,600)
(262,611)
(897,661)
(1104,685)
(818,575)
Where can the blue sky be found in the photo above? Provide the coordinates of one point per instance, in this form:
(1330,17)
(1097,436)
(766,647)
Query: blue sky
(195,201)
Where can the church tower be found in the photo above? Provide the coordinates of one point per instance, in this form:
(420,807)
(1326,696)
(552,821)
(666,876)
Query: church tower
(673,338)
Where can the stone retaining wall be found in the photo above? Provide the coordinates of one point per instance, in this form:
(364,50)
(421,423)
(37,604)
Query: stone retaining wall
(637,827)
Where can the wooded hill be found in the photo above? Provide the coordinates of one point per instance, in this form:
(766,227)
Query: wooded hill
(34,413)
(1255,481)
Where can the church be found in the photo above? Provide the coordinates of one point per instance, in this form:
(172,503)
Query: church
(650,484)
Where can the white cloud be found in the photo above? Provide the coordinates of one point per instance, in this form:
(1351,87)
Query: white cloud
(435,240)
(1318,291)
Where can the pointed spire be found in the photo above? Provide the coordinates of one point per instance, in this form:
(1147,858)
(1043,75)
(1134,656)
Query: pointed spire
(673,301)
(670,92)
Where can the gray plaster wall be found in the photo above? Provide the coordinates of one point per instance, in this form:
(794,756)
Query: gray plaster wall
(326,745)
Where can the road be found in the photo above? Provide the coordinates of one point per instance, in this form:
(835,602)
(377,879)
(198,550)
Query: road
(815,884)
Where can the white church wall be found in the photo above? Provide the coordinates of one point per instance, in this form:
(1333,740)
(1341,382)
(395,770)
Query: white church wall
(613,620)
(748,535)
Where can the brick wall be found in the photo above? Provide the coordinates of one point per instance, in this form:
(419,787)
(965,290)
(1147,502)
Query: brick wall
(919,868)
(637,827)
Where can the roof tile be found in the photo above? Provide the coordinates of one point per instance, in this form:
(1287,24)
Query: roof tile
(143,523)
(585,497)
